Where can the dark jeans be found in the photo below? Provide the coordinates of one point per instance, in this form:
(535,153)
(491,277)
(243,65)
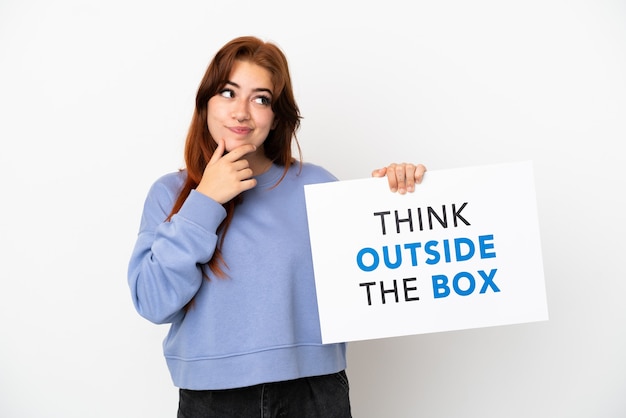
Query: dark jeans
(310,397)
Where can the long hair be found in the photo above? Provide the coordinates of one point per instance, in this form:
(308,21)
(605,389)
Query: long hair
(200,146)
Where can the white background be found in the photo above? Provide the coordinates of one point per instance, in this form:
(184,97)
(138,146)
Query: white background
(95,101)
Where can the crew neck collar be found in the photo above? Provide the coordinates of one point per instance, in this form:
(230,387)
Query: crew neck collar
(270,177)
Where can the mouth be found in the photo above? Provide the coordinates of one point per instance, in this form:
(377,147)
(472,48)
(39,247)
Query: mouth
(240,130)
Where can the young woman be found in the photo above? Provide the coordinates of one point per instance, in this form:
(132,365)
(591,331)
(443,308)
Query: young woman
(223,252)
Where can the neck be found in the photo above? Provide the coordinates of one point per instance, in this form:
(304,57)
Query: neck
(259,164)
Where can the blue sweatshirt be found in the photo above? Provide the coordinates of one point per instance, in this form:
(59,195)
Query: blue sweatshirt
(261,323)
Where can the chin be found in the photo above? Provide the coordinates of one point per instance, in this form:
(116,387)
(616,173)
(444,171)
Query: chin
(230,145)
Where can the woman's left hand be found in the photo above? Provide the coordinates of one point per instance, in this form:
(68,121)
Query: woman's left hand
(402,177)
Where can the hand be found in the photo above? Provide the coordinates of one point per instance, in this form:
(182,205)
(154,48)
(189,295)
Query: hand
(226,176)
(403,177)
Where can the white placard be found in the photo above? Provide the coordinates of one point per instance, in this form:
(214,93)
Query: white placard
(463,251)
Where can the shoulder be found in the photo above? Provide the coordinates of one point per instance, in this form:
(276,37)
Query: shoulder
(167,187)
(173,180)
(311,173)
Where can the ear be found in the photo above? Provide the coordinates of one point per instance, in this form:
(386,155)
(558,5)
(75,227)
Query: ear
(274,124)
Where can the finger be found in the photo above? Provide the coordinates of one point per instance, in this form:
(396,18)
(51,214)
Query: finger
(247,184)
(219,151)
(420,170)
(410,177)
(237,153)
(392,179)
(400,170)
(242,169)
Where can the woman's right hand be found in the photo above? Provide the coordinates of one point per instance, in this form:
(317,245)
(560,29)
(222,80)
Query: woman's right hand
(227,175)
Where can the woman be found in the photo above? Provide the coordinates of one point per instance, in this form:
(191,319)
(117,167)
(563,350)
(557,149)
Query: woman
(223,252)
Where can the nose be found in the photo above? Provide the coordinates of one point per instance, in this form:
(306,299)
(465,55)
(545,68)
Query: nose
(240,111)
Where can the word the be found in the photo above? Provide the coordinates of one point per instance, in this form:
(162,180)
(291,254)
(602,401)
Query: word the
(393,290)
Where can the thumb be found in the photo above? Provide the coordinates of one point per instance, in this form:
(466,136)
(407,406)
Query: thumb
(379,172)
(219,152)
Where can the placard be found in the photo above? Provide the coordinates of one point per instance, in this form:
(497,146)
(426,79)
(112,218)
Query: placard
(462,251)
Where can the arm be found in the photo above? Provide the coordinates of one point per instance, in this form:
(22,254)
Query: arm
(164,271)
(402,177)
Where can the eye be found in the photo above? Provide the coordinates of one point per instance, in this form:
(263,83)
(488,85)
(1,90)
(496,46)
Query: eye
(228,93)
(263,100)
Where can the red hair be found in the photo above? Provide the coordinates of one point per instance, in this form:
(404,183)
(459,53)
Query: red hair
(199,146)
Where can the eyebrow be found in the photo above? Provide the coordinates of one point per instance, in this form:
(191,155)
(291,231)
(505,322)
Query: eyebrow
(258,89)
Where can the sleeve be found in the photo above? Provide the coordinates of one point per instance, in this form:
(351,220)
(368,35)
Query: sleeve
(165,268)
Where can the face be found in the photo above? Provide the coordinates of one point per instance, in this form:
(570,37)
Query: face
(241,113)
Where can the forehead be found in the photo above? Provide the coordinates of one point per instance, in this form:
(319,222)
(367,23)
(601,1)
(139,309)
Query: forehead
(249,75)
